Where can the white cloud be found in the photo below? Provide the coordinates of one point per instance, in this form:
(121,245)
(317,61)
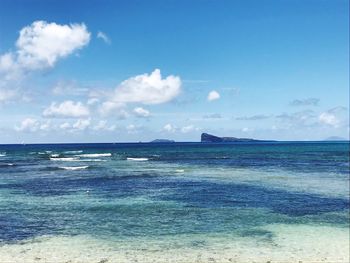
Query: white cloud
(41,44)
(169,128)
(141,112)
(246,129)
(115,108)
(82,124)
(28,124)
(305,102)
(92,101)
(329,119)
(65,126)
(213,95)
(305,118)
(148,89)
(67,109)
(188,128)
(101,125)
(253,118)
(46,126)
(104,37)
(212,116)
(6,94)
(68,88)
(131,128)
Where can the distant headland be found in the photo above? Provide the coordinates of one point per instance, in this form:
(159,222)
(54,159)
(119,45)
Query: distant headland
(205,137)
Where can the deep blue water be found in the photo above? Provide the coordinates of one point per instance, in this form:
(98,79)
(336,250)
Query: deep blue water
(178,188)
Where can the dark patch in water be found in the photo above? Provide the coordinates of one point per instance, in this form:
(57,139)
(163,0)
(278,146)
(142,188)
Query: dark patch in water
(208,194)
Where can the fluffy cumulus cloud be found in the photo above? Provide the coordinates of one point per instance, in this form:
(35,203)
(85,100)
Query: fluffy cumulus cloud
(28,125)
(329,119)
(67,109)
(41,44)
(213,95)
(141,112)
(148,89)
(334,117)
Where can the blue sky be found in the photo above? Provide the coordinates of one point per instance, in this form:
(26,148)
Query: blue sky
(113,71)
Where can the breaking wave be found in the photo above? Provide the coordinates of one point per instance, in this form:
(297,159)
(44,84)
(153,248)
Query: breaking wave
(137,159)
(73,168)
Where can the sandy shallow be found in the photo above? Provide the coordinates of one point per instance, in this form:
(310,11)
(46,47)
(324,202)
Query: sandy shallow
(290,243)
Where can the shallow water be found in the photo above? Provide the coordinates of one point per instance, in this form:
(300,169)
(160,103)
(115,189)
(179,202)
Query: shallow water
(175,202)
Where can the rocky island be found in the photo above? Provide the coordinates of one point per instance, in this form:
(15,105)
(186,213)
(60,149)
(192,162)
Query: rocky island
(205,137)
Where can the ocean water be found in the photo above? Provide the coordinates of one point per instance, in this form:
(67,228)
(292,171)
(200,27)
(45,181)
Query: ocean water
(178,202)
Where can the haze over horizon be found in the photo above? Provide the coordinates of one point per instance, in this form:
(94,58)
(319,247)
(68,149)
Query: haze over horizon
(129,71)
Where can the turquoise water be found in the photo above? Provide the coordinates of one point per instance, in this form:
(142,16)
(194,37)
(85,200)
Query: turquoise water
(172,196)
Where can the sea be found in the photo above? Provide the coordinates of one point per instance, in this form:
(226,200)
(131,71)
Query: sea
(175,202)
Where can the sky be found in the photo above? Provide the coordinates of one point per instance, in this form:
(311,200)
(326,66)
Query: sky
(130,71)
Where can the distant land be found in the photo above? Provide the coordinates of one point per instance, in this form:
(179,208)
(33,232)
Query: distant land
(205,137)
(335,138)
(162,141)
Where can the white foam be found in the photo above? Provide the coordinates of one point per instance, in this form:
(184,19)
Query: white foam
(2,154)
(137,159)
(55,155)
(93,155)
(180,170)
(74,167)
(65,159)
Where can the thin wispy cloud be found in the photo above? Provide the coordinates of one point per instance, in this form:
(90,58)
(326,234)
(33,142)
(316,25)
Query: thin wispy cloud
(212,116)
(253,118)
(104,37)
(305,102)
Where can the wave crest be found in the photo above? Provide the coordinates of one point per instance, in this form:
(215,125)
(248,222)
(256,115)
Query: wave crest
(73,168)
(137,159)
